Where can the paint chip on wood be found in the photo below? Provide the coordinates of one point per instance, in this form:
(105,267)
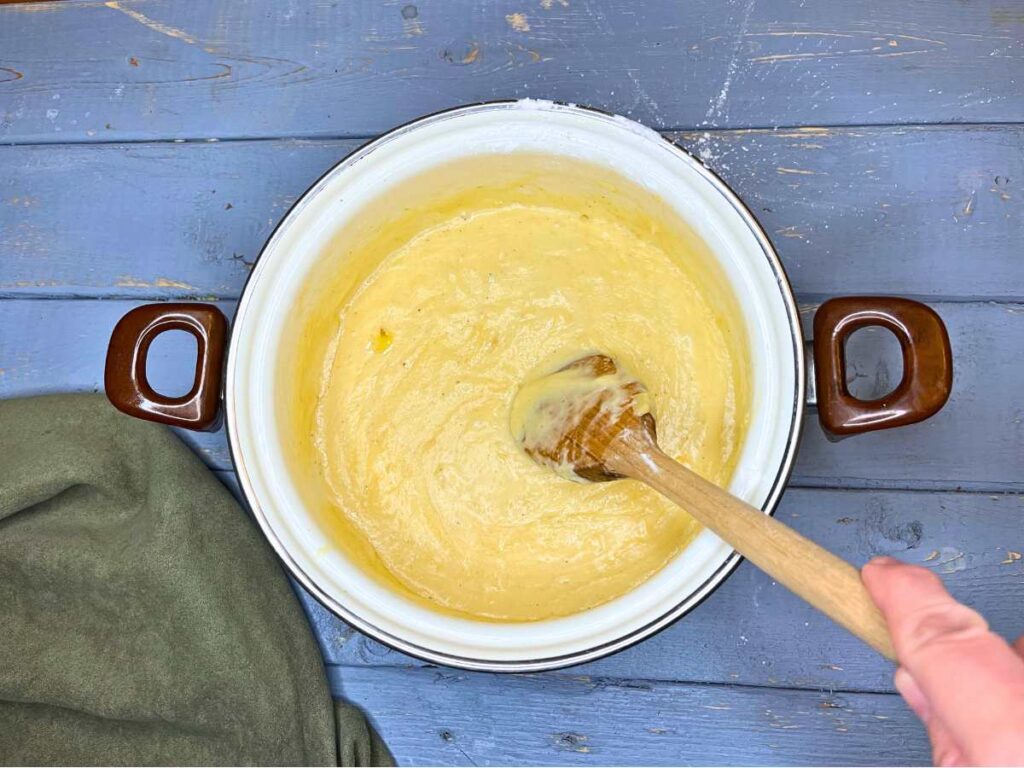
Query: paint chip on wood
(1011,557)
(948,560)
(411,24)
(127,281)
(969,205)
(569,741)
(791,232)
(518,22)
(156,26)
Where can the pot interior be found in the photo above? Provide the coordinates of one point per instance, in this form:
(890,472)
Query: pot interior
(269,419)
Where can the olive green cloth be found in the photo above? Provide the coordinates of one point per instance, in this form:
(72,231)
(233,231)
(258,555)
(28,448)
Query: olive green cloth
(144,618)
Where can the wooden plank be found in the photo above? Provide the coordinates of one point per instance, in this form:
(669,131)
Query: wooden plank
(923,212)
(753,632)
(156,220)
(433,717)
(61,346)
(929,212)
(93,70)
(976,442)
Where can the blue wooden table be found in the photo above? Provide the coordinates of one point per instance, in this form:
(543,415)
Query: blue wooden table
(149,147)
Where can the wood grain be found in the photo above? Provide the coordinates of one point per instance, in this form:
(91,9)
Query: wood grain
(130,69)
(435,717)
(975,442)
(923,212)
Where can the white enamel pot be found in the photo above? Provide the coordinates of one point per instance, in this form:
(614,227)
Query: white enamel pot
(710,208)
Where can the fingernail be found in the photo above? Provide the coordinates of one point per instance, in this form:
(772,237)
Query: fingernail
(883,560)
(912,693)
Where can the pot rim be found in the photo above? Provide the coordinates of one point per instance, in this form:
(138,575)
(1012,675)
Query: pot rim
(666,619)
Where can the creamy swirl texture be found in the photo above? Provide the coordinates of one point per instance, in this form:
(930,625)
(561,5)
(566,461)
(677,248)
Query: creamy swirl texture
(416,337)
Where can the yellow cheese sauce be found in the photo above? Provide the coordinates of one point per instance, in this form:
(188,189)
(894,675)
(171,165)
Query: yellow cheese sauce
(416,338)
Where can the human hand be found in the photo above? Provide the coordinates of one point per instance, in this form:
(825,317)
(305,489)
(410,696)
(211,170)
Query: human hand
(963,681)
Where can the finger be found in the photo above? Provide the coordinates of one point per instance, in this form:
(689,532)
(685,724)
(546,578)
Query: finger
(972,679)
(945,750)
(1018,645)
(912,694)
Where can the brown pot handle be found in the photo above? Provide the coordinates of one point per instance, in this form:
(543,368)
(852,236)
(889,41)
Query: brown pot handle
(927,364)
(125,376)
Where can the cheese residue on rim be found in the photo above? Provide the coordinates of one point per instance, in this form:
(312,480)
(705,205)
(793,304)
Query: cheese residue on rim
(441,328)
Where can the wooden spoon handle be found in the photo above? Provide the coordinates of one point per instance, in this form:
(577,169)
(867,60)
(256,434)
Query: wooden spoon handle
(827,582)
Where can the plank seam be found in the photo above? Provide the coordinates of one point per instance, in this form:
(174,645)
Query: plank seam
(711,130)
(919,485)
(608,681)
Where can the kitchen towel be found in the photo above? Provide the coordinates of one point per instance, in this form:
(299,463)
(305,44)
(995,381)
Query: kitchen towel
(145,619)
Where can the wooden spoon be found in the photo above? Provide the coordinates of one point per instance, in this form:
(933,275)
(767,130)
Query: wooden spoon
(590,422)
